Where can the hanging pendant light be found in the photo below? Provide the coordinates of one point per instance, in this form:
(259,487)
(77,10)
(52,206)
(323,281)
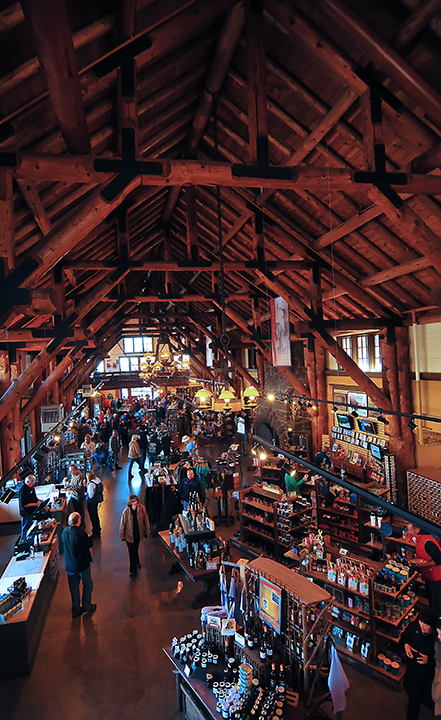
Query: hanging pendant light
(249,395)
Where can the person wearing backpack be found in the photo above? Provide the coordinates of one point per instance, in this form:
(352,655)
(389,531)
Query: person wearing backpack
(94,497)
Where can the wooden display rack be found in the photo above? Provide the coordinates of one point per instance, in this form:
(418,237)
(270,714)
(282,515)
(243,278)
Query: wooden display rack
(259,519)
(300,596)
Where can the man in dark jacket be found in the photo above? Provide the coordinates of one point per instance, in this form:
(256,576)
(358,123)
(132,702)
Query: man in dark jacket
(28,503)
(418,641)
(77,559)
(191,484)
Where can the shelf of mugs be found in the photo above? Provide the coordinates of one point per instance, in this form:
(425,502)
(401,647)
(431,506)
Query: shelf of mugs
(391,593)
(355,610)
(396,622)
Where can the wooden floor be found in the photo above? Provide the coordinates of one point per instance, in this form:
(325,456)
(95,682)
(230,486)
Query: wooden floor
(111,665)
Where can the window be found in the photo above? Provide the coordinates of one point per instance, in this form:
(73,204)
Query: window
(124,364)
(346,344)
(128,345)
(124,394)
(141,344)
(363,352)
(364,349)
(134,364)
(377,354)
(100,367)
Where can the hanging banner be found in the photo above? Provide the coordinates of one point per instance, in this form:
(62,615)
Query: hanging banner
(280,341)
(209,351)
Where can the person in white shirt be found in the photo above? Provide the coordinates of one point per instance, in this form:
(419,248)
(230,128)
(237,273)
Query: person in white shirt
(92,502)
(88,446)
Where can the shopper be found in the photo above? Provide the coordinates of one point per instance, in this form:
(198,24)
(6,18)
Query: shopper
(28,503)
(93,483)
(77,559)
(78,491)
(134,455)
(428,561)
(114,450)
(133,527)
(100,455)
(419,645)
(88,447)
(436,685)
(189,445)
(191,484)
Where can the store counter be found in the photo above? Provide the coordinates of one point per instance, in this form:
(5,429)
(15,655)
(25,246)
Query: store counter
(20,635)
(210,577)
(11,511)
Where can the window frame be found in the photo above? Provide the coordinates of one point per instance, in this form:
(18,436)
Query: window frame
(371,347)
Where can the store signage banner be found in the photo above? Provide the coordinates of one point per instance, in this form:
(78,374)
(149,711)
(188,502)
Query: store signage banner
(209,351)
(280,341)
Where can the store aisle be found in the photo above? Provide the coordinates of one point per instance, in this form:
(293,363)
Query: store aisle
(111,665)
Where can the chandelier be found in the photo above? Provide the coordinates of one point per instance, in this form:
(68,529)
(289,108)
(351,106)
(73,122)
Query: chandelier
(164,364)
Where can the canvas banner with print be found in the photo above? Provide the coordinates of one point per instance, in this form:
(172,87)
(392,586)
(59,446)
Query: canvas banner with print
(280,342)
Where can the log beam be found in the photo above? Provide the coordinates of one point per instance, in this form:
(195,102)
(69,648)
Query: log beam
(7,245)
(347,363)
(52,37)
(45,387)
(80,169)
(417,21)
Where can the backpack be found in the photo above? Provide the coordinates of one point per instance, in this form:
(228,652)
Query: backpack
(99,492)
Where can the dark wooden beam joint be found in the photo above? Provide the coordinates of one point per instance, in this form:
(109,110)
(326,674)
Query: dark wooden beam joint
(391,334)
(380,177)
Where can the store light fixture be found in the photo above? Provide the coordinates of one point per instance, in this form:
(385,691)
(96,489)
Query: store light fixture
(412,425)
(382,419)
(271,397)
(354,414)
(250,395)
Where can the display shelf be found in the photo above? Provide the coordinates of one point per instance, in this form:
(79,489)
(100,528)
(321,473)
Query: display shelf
(395,623)
(324,578)
(264,507)
(374,670)
(340,512)
(264,535)
(424,493)
(353,610)
(254,519)
(397,592)
(349,627)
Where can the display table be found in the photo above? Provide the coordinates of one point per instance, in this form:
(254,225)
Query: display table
(20,636)
(197,702)
(210,577)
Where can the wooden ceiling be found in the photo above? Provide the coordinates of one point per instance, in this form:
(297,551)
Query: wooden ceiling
(179,163)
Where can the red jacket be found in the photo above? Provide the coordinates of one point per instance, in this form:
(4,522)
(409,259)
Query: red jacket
(427,573)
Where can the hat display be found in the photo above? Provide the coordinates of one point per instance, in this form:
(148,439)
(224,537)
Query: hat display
(185,438)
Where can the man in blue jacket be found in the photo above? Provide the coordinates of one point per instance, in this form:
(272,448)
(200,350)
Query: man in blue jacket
(77,559)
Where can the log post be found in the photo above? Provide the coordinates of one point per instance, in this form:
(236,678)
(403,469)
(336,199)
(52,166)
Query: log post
(389,361)
(323,415)
(9,433)
(405,391)
(311,371)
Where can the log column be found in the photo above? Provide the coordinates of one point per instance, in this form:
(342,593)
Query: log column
(10,434)
(405,390)
(311,371)
(389,361)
